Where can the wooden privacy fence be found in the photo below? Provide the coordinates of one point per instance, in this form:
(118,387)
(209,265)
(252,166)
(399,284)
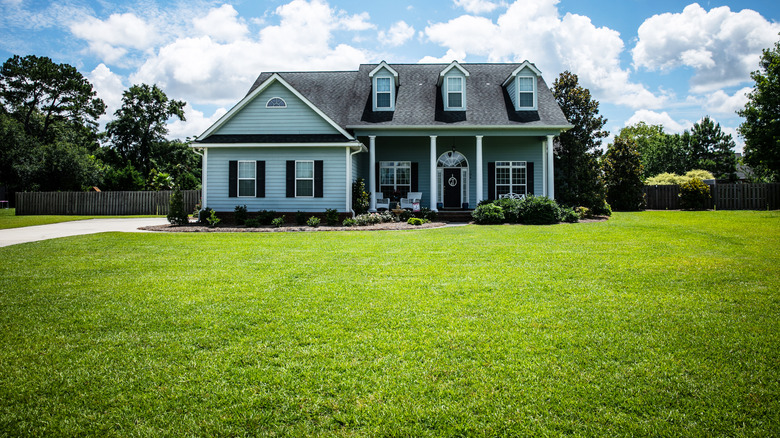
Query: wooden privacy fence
(101,203)
(724,197)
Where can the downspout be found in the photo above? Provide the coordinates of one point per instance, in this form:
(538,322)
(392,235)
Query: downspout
(349,183)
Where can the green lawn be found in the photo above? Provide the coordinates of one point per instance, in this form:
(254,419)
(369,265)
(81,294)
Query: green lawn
(9,220)
(650,324)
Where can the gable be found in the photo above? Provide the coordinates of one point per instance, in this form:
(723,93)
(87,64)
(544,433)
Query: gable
(256,118)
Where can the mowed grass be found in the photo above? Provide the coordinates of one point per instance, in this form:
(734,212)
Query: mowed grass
(8,219)
(650,324)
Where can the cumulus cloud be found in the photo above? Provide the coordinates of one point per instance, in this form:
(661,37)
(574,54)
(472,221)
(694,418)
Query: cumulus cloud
(357,22)
(195,125)
(722,46)
(222,24)
(476,6)
(398,34)
(110,38)
(720,102)
(448,57)
(663,118)
(534,30)
(109,87)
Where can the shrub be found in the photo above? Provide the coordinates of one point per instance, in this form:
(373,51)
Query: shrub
(368,219)
(538,210)
(252,223)
(583,212)
(176,213)
(332,217)
(429,214)
(488,214)
(509,206)
(360,197)
(694,194)
(668,179)
(416,221)
(300,217)
(349,222)
(239,214)
(278,222)
(196,213)
(603,210)
(313,222)
(699,173)
(204,215)
(405,215)
(568,214)
(266,217)
(623,175)
(213,220)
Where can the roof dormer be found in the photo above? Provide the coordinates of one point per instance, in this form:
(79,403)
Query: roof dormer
(521,87)
(384,83)
(452,82)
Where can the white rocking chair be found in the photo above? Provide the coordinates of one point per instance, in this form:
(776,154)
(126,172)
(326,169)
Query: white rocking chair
(380,201)
(511,196)
(410,199)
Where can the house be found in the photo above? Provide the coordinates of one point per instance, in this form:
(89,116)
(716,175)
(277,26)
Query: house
(457,133)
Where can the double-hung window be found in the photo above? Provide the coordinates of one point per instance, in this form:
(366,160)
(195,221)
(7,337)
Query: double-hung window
(511,177)
(246,178)
(384,93)
(395,177)
(304,179)
(525,92)
(455,93)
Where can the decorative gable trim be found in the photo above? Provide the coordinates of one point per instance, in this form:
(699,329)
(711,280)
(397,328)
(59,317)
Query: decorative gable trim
(256,92)
(453,64)
(525,64)
(384,65)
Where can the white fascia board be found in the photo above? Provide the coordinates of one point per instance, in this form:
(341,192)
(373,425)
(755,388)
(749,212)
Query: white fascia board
(446,70)
(384,65)
(354,145)
(457,128)
(250,97)
(525,64)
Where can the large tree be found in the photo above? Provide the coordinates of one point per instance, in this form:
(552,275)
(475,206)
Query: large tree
(712,149)
(660,152)
(761,129)
(623,175)
(140,124)
(578,178)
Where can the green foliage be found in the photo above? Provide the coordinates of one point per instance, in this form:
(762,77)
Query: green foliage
(694,194)
(278,222)
(429,214)
(212,219)
(332,217)
(375,218)
(583,212)
(509,207)
(602,210)
(204,215)
(360,197)
(659,152)
(300,217)
(123,178)
(712,149)
(252,223)
(313,222)
(698,173)
(349,222)
(569,215)
(488,214)
(761,128)
(578,178)
(177,215)
(159,181)
(623,175)
(538,210)
(266,216)
(240,214)
(668,179)
(405,215)
(416,221)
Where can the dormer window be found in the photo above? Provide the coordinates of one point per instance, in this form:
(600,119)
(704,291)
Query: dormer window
(521,87)
(384,94)
(525,92)
(384,81)
(455,93)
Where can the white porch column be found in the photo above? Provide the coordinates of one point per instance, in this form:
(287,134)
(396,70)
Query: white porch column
(434,189)
(479,170)
(550,177)
(372,172)
(544,168)
(204,179)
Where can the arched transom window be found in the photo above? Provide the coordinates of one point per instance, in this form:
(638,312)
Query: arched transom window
(452,159)
(276,102)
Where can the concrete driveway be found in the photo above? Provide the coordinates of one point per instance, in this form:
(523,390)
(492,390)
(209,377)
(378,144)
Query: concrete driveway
(15,236)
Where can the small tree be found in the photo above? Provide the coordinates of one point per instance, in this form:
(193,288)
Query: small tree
(176,213)
(623,175)
(360,197)
(694,194)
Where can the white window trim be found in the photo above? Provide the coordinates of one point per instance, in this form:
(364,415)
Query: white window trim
(313,176)
(239,179)
(462,93)
(267,104)
(392,94)
(512,165)
(517,92)
(392,165)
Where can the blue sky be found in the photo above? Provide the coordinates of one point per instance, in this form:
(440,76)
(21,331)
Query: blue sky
(663,62)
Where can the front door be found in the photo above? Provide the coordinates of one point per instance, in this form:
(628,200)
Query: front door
(452,189)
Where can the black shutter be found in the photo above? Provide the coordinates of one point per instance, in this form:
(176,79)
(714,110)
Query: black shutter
(232,179)
(318,179)
(260,179)
(529,178)
(491,180)
(376,177)
(415,179)
(290,178)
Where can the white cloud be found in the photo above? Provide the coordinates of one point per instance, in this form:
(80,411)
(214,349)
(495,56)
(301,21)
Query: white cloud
(534,30)
(195,124)
(357,22)
(719,102)
(110,38)
(663,118)
(722,46)
(398,34)
(448,57)
(222,24)
(109,87)
(476,6)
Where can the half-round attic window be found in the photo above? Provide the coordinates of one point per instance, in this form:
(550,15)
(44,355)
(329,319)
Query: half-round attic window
(276,102)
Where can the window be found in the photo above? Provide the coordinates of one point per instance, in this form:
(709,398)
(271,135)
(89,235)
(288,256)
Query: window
(304,179)
(384,91)
(510,177)
(276,102)
(246,178)
(525,92)
(395,176)
(455,93)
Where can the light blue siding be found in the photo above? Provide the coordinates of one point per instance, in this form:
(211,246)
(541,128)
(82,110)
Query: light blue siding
(334,182)
(511,89)
(296,118)
(513,149)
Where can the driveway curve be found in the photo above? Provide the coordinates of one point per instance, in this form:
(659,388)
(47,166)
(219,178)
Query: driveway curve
(14,236)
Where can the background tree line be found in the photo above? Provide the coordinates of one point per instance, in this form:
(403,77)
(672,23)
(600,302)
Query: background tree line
(50,139)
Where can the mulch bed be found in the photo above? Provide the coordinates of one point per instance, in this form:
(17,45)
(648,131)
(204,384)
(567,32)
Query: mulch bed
(195,228)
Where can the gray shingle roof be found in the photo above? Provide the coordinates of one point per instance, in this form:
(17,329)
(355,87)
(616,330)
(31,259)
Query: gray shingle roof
(346,97)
